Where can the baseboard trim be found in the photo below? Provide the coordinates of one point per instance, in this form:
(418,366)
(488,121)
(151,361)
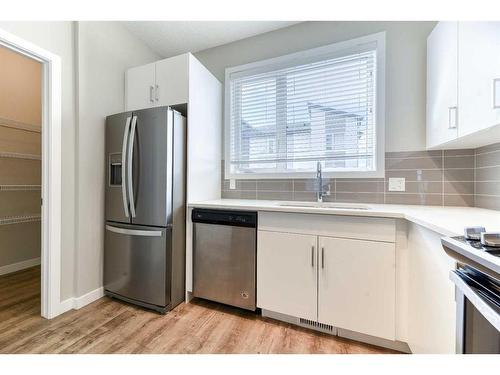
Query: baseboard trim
(378,341)
(14,267)
(65,305)
(90,297)
(76,303)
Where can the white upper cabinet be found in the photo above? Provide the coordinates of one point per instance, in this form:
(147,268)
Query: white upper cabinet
(442,90)
(356,288)
(140,87)
(479,76)
(463,85)
(165,82)
(172,80)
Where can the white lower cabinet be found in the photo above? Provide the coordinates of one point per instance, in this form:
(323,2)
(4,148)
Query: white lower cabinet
(356,286)
(346,283)
(287,273)
(431,294)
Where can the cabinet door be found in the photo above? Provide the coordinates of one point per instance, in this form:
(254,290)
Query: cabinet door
(442,78)
(287,273)
(357,286)
(139,87)
(172,80)
(479,67)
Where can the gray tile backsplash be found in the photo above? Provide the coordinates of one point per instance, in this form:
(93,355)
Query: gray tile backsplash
(419,162)
(487,181)
(464,177)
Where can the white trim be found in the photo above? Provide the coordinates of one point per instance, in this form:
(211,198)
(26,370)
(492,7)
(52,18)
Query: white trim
(51,168)
(87,298)
(66,305)
(14,267)
(271,64)
(76,303)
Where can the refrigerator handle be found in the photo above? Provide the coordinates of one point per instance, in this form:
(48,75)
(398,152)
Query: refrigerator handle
(134,232)
(124,163)
(130,166)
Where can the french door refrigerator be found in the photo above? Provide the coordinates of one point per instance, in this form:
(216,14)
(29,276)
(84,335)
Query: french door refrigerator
(144,252)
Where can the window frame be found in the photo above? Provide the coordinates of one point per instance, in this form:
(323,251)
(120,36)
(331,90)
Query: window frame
(293,59)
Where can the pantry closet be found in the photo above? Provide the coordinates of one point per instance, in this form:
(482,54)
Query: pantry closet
(20,163)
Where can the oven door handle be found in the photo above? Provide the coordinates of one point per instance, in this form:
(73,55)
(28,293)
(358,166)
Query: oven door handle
(477,301)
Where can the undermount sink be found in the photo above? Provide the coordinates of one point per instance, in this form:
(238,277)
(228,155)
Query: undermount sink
(340,206)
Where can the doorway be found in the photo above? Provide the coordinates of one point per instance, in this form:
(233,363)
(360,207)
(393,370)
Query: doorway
(30,146)
(20,178)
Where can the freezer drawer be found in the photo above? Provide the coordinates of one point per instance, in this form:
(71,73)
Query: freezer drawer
(136,263)
(224,264)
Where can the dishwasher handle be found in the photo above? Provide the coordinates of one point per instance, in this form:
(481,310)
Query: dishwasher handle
(225,217)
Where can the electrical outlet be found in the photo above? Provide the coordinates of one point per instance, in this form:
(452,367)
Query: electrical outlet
(232,184)
(397,184)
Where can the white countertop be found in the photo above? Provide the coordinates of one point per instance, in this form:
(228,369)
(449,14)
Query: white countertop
(447,221)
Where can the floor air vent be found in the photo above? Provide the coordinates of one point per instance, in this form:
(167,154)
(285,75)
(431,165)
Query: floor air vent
(316,325)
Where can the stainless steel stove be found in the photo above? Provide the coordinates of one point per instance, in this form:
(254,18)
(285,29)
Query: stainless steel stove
(476,253)
(478,245)
(477,285)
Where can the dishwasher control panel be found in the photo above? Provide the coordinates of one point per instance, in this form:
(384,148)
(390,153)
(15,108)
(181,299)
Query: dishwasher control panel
(224,217)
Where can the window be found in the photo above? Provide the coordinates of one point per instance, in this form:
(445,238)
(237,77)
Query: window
(324,105)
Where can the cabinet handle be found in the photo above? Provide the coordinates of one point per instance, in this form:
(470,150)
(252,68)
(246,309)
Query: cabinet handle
(452,117)
(151,89)
(322,257)
(312,256)
(496,98)
(157,93)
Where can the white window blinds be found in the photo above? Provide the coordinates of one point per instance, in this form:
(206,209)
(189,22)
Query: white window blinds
(286,119)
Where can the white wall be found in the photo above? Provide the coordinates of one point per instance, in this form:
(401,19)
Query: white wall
(405,66)
(57,37)
(105,51)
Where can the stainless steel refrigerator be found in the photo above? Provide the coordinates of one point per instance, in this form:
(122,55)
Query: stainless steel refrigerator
(144,253)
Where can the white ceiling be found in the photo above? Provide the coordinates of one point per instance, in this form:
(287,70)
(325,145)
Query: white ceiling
(170,38)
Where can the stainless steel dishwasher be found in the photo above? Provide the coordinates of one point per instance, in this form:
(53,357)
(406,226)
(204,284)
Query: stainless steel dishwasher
(224,256)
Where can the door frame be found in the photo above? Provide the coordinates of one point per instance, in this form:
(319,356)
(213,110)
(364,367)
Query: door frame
(51,170)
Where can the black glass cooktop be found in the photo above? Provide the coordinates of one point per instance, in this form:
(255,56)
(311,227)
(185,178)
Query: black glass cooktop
(476,244)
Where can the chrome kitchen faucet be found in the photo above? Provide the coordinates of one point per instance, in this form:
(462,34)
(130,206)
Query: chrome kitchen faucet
(319,184)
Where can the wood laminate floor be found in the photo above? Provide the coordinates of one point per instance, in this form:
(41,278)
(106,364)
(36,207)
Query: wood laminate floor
(109,326)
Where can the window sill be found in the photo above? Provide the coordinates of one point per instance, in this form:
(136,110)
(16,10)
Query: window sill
(303,175)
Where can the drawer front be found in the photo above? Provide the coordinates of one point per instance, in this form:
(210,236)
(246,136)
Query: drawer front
(138,266)
(356,227)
